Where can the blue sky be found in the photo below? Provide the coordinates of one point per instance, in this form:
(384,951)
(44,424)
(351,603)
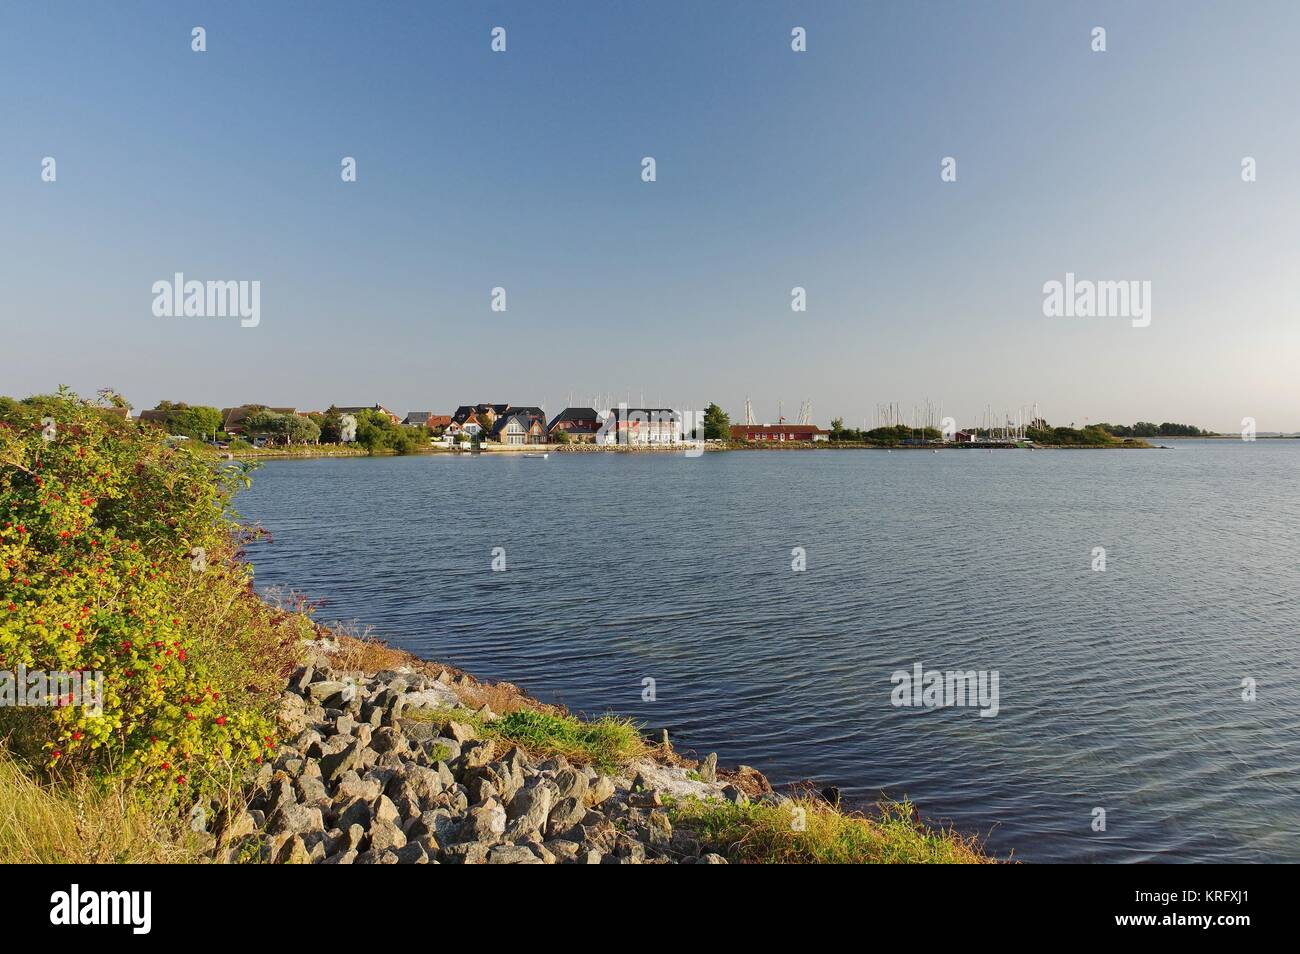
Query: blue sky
(775,169)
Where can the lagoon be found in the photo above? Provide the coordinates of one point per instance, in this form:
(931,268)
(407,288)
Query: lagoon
(1120,690)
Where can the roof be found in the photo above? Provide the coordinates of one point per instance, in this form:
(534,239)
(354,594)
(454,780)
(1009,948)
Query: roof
(153,415)
(417,417)
(576,414)
(465,410)
(526,414)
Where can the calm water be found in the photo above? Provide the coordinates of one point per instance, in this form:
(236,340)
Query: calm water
(1118,689)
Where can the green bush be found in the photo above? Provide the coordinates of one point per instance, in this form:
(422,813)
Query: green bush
(118,555)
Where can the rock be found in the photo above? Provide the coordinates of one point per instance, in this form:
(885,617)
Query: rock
(461,732)
(661,830)
(512,855)
(708,769)
(564,817)
(352,786)
(332,767)
(342,858)
(325,693)
(437,826)
(485,823)
(712,859)
(734,795)
(389,739)
(565,851)
(418,730)
(419,786)
(477,754)
(296,818)
(311,791)
(350,837)
(386,835)
(528,811)
(441,749)
(599,790)
(466,853)
(386,812)
(293,852)
(235,828)
(627,847)
(412,854)
(301,678)
(571,783)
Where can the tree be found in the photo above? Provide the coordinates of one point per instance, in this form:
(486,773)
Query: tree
(717,425)
(300,430)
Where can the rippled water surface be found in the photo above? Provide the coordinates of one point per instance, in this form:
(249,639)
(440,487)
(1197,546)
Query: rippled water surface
(1119,689)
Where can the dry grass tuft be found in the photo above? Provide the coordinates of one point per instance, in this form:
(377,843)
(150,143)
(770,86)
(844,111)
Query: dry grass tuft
(86,824)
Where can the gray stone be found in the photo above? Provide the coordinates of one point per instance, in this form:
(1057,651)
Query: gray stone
(385,835)
(599,790)
(412,853)
(661,830)
(567,813)
(465,853)
(528,811)
(296,818)
(708,769)
(512,855)
(571,783)
(332,767)
(486,822)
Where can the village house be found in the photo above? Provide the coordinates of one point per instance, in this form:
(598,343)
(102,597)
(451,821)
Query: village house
(580,423)
(778,432)
(434,422)
(520,425)
(474,419)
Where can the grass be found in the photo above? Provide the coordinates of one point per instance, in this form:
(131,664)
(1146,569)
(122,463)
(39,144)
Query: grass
(758,833)
(85,823)
(606,744)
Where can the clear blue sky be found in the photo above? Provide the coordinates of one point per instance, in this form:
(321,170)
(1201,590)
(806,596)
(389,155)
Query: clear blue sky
(775,169)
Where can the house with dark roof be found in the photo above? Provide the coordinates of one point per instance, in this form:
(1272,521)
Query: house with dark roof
(520,425)
(475,419)
(436,423)
(580,423)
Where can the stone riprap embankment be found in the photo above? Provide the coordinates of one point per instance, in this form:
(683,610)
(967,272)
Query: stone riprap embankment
(378,769)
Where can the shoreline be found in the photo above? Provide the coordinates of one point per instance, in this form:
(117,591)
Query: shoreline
(787,446)
(387,758)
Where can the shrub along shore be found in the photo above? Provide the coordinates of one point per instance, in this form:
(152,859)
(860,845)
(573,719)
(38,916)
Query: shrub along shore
(233,729)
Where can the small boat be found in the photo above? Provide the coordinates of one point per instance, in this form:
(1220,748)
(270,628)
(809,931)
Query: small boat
(540,456)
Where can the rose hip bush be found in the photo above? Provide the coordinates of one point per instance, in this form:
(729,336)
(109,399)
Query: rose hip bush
(101,522)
